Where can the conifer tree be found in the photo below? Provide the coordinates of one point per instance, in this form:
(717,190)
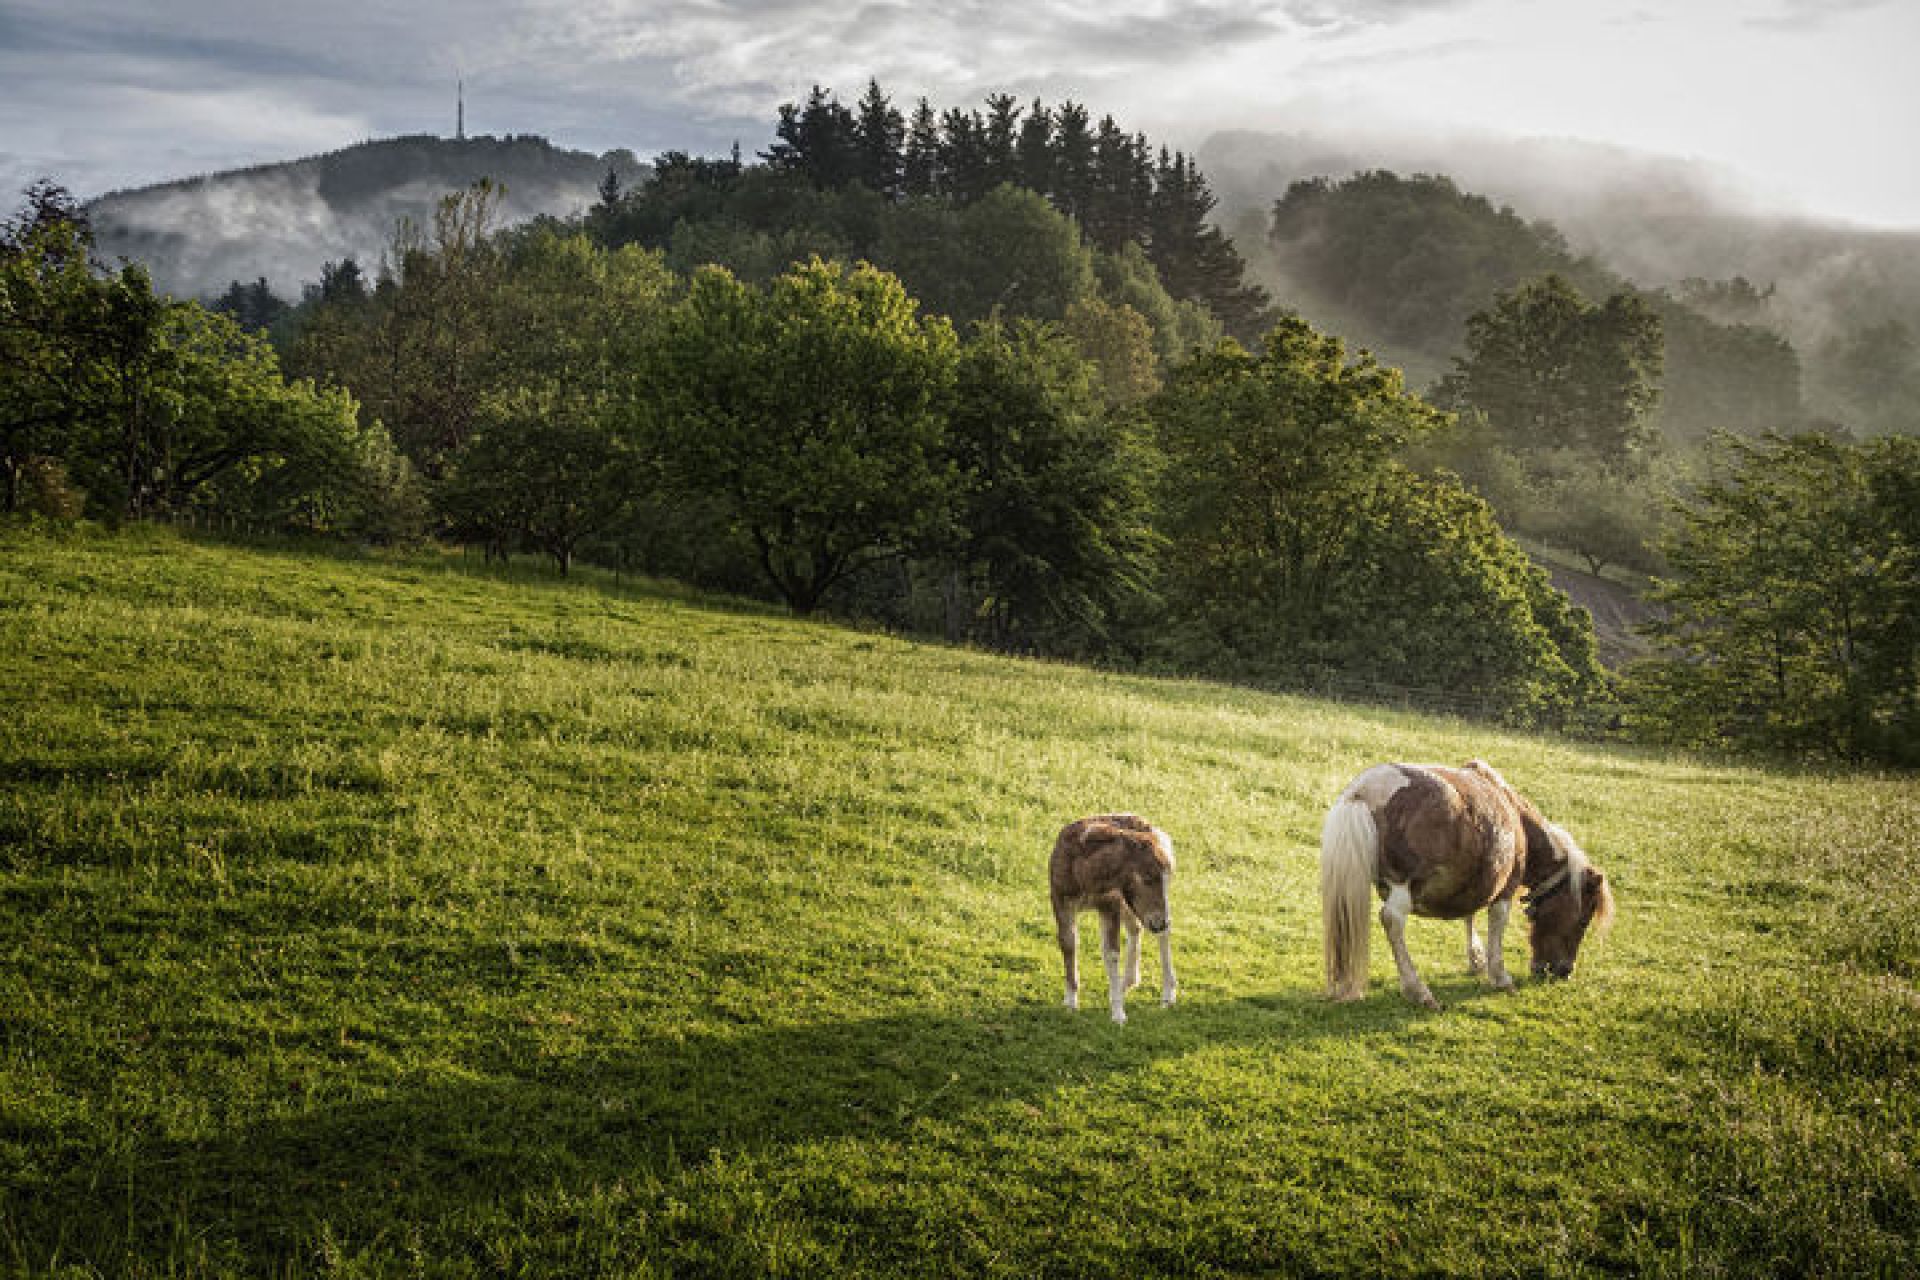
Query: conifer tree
(1072,159)
(879,134)
(963,155)
(1195,259)
(920,168)
(1000,140)
(1033,150)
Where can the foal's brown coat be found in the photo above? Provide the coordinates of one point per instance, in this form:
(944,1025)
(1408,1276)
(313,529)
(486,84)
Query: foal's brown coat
(1118,865)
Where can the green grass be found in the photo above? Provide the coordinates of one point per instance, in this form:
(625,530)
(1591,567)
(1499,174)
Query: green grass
(389,916)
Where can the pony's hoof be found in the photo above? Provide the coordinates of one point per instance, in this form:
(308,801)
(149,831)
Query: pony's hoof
(1119,1017)
(1166,1001)
(1072,1001)
(1505,984)
(1424,998)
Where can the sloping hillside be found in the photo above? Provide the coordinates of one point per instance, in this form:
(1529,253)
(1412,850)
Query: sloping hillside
(284,221)
(390,914)
(1617,610)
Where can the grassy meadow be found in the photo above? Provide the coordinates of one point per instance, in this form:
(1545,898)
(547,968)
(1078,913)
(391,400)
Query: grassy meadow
(394,915)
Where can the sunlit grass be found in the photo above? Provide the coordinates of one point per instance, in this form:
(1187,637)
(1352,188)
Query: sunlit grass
(391,915)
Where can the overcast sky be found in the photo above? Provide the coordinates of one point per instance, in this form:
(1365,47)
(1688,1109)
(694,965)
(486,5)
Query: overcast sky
(1812,105)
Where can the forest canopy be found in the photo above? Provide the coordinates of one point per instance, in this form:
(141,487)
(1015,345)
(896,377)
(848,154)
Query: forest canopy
(997,375)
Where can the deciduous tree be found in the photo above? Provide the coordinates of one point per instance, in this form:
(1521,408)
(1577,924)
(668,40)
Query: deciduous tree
(816,412)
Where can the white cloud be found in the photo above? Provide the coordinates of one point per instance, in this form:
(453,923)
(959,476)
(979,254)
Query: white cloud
(1809,96)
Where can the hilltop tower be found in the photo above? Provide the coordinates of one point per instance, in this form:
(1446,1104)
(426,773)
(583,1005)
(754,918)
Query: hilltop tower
(460,110)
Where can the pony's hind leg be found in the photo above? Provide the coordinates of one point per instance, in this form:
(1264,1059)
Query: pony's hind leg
(1476,954)
(1133,951)
(1393,919)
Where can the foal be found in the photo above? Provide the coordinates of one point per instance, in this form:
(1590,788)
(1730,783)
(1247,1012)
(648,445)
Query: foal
(1118,865)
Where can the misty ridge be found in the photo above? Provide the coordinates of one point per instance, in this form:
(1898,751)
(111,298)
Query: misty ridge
(284,222)
(1846,298)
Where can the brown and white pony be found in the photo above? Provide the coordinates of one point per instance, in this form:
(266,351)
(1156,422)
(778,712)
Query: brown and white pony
(1447,843)
(1118,865)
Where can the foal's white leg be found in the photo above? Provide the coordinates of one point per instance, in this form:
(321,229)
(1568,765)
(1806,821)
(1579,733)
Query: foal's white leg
(1169,984)
(1497,913)
(1133,953)
(1476,955)
(1393,918)
(1067,927)
(1110,954)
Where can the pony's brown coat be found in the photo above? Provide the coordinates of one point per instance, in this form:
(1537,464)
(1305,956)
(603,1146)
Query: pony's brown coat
(1457,841)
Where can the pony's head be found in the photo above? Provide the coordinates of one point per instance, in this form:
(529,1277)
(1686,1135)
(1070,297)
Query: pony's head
(1564,906)
(1143,883)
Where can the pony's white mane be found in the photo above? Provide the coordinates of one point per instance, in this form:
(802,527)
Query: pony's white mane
(1577,862)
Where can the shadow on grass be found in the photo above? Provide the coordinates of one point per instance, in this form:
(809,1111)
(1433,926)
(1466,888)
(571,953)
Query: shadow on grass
(642,1112)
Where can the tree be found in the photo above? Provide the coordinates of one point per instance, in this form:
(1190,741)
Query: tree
(1001,140)
(1008,251)
(1552,371)
(1195,259)
(1055,527)
(1303,549)
(820,140)
(880,135)
(1794,603)
(1118,342)
(551,465)
(815,411)
(1073,159)
(1034,150)
(920,166)
(545,470)
(1409,259)
(52,344)
(1600,515)
(252,306)
(1719,376)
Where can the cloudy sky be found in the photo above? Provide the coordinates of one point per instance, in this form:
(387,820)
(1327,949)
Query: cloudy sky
(1808,106)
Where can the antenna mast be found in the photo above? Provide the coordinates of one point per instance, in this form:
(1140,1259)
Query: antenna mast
(460,110)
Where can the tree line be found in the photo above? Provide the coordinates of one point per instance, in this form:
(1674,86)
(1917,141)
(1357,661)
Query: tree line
(1015,439)
(124,404)
(1115,187)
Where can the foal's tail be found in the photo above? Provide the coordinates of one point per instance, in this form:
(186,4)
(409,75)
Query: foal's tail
(1349,848)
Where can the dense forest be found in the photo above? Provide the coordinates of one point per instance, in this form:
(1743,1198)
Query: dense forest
(998,375)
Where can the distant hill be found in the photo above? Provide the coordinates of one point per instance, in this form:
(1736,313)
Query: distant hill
(283,221)
(1847,298)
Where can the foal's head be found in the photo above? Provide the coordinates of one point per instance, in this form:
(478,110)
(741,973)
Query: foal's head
(1562,909)
(1144,878)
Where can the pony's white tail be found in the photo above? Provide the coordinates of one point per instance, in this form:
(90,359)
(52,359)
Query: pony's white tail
(1349,846)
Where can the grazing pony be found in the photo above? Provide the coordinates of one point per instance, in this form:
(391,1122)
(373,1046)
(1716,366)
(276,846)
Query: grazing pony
(1118,865)
(1446,843)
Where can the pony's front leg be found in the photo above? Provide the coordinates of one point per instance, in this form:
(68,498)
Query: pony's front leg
(1169,984)
(1133,951)
(1110,954)
(1476,954)
(1497,913)
(1067,927)
(1393,919)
